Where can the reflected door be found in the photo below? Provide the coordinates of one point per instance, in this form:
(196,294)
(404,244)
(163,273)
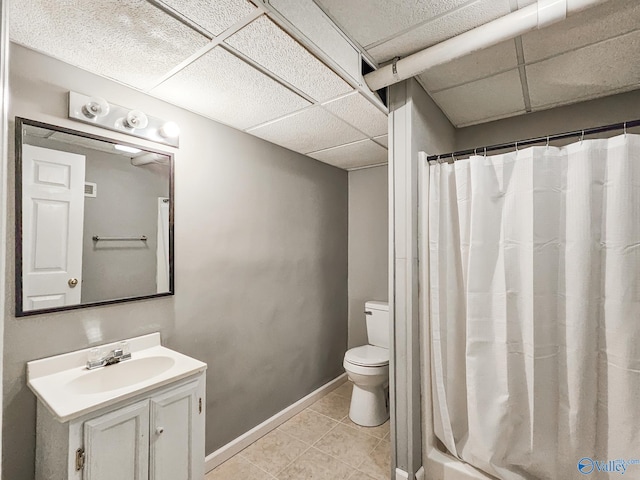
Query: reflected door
(52,223)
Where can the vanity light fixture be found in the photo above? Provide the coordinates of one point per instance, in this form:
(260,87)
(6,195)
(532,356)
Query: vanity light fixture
(131,121)
(125,148)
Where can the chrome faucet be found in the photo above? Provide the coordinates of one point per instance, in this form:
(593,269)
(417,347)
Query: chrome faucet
(117,355)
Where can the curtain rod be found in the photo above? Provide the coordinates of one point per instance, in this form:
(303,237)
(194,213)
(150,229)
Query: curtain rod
(532,141)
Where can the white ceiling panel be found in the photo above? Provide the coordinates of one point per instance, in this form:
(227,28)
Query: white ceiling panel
(483,100)
(214,17)
(129,40)
(359,112)
(602,22)
(307,131)
(270,47)
(223,87)
(590,72)
(353,155)
(440,29)
(482,63)
(369,21)
(382,140)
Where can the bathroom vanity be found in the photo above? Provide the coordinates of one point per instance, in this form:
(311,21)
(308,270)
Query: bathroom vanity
(138,419)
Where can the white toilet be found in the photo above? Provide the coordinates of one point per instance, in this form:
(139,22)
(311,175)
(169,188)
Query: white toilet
(368,368)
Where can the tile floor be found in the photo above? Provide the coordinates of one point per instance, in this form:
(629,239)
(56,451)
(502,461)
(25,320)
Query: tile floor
(320,443)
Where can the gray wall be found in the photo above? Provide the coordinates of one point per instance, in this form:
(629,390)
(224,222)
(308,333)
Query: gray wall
(261,268)
(368,245)
(126,205)
(593,113)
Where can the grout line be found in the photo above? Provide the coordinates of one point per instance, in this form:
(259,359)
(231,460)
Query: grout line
(253,464)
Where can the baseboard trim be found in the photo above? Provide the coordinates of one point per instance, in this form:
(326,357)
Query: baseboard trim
(243,441)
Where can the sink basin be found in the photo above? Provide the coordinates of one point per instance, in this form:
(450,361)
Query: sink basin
(68,390)
(120,375)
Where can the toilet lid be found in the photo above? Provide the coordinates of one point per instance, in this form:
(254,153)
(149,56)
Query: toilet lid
(368,356)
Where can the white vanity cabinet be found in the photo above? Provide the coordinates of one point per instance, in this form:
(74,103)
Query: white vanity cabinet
(155,436)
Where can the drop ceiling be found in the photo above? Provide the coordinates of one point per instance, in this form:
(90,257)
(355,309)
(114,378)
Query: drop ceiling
(593,53)
(232,61)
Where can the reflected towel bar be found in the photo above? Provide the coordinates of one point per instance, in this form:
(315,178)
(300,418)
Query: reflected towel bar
(141,238)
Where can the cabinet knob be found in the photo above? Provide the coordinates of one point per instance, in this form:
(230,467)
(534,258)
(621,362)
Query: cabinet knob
(159,430)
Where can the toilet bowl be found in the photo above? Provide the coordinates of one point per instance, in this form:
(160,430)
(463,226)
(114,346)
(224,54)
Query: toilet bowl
(367,367)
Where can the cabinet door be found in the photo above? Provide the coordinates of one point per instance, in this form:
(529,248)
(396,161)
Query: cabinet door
(175,447)
(117,444)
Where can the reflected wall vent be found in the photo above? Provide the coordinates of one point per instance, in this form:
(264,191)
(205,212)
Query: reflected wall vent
(90,189)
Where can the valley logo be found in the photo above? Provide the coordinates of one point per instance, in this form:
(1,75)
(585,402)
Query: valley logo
(587,465)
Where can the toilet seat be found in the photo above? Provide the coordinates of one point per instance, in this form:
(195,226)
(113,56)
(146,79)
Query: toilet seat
(367,356)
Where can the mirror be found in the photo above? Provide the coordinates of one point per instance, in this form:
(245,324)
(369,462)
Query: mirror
(94,220)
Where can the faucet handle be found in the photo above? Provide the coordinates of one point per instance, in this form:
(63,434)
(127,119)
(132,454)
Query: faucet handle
(95,355)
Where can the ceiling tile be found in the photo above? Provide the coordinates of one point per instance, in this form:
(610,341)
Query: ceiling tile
(383,140)
(471,67)
(128,40)
(590,72)
(440,29)
(269,46)
(369,21)
(307,131)
(359,112)
(353,155)
(487,99)
(221,86)
(593,25)
(215,17)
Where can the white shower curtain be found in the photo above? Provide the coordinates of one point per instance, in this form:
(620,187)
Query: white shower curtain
(534,309)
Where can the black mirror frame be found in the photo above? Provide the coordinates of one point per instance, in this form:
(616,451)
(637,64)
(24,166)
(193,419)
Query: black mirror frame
(19,124)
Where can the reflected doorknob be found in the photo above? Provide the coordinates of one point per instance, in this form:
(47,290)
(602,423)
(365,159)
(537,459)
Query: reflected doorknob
(73,282)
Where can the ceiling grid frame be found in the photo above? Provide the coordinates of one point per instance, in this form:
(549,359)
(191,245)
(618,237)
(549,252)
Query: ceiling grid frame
(214,42)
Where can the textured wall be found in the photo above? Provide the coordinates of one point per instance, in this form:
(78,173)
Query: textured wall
(368,245)
(261,268)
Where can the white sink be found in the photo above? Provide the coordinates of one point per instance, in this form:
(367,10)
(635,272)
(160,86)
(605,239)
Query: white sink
(65,386)
(120,375)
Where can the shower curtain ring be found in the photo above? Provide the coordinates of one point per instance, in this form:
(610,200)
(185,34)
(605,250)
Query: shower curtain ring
(485,152)
(547,141)
(453,159)
(516,146)
(582,137)
(625,129)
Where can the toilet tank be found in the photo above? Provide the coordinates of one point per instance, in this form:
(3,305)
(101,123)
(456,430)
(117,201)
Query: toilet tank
(377,316)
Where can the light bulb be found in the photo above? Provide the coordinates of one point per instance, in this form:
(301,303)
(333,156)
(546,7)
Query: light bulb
(95,107)
(136,119)
(170,130)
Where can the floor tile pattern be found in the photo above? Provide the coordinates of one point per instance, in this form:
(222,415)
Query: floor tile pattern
(319,443)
